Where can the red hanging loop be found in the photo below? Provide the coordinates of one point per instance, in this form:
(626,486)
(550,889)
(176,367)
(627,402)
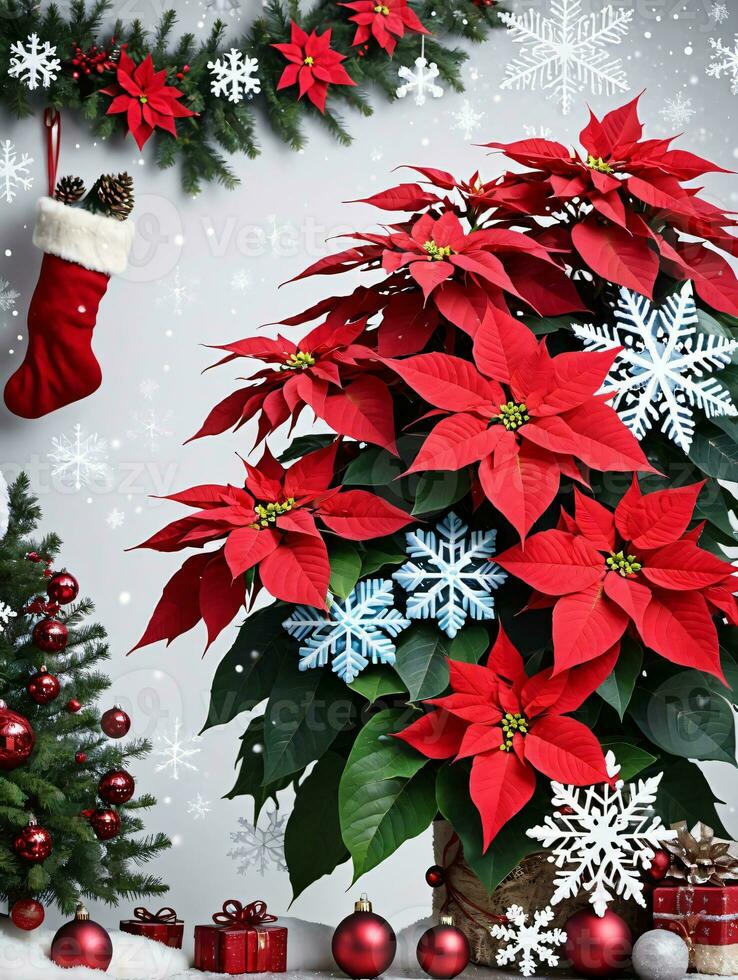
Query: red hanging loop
(52,121)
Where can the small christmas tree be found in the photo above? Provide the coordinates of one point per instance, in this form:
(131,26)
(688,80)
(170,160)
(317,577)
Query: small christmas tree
(49,680)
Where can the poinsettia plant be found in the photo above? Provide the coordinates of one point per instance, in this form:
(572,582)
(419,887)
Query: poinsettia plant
(482,570)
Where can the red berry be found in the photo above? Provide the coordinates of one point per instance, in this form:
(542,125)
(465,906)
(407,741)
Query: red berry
(80,758)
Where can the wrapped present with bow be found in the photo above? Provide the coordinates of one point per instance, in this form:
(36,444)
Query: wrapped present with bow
(702,904)
(242,939)
(162,926)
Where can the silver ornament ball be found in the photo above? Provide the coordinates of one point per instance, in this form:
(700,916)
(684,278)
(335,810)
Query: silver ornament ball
(660,955)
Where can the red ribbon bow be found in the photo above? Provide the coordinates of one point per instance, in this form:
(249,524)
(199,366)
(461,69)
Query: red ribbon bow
(234,913)
(163,915)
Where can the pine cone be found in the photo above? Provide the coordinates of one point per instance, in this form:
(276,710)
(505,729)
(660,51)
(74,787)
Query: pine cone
(115,195)
(69,190)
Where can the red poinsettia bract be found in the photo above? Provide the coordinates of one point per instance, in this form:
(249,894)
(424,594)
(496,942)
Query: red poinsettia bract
(639,205)
(313,65)
(525,435)
(383,20)
(637,565)
(268,525)
(513,726)
(142,93)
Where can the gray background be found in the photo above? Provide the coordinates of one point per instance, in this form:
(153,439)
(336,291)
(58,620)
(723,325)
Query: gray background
(180,293)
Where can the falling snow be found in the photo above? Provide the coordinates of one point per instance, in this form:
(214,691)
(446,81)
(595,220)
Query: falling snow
(234,76)
(679,110)
(175,752)
(150,427)
(719,13)
(543,132)
(567,52)
(527,944)
(241,281)
(13,172)
(467,120)
(260,847)
(35,63)
(8,296)
(6,613)
(80,460)
(724,62)
(199,808)
(115,519)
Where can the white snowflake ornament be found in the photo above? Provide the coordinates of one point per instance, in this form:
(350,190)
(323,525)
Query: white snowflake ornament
(259,847)
(719,12)
(6,613)
(664,370)
(175,753)
(352,631)
(421,80)
(601,836)
(566,51)
(467,120)
(13,172)
(450,576)
(8,296)
(528,944)
(34,63)
(80,460)
(724,62)
(679,110)
(234,75)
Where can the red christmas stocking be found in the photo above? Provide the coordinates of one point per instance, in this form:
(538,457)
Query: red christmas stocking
(82,250)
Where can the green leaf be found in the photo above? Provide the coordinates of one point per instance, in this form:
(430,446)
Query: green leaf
(313,845)
(630,758)
(378,682)
(685,794)
(541,325)
(376,556)
(246,674)
(305,444)
(301,719)
(470,645)
(714,505)
(438,490)
(683,716)
(386,794)
(420,660)
(373,467)
(617,689)
(715,452)
(345,568)
(250,779)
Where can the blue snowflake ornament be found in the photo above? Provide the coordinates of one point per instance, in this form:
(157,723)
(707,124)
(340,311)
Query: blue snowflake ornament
(352,632)
(450,576)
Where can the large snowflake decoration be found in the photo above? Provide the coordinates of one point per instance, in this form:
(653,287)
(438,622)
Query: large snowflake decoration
(8,296)
(6,614)
(175,753)
(679,110)
(664,369)
(450,575)
(420,80)
(467,120)
(528,943)
(34,63)
(566,52)
(13,172)
(724,62)
(352,632)
(80,460)
(234,75)
(259,847)
(600,836)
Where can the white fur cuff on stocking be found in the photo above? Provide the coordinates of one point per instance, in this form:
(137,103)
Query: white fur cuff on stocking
(95,241)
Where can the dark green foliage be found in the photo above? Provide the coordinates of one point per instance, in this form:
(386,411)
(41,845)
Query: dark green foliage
(51,785)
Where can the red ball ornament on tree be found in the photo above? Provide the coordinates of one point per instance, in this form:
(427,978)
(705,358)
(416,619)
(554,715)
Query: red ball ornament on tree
(27,914)
(598,946)
(116,786)
(33,843)
(82,942)
(73,706)
(115,723)
(16,739)
(443,951)
(364,944)
(435,876)
(50,635)
(63,588)
(660,866)
(105,823)
(80,758)
(43,687)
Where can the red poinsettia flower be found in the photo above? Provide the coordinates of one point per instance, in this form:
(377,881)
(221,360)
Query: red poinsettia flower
(513,726)
(142,93)
(635,188)
(636,565)
(526,435)
(313,65)
(323,372)
(269,525)
(385,21)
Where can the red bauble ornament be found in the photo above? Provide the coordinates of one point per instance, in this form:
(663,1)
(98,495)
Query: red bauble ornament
(27,914)
(443,951)
(435,876)
(16,738)
(63,588)
(50,635)
(73,706)
(115,723)
(33,843)
(105,823)
(43,687)
(116,786)
(660,866)
(598,946)
(82,942)
(364,944)
(80,758)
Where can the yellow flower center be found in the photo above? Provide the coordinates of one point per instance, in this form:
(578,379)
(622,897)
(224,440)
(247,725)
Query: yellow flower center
(623,564)
(299,361)
(310,61)
(513,415)
(268,513)
(437,253)
(143,99)
(598,164)
(382,8)
(512,725)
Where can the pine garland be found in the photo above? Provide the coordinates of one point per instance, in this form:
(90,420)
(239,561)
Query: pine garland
(223,127)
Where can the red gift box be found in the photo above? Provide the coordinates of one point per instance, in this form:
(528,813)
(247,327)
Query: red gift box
(241,941)
(162,926)
(704,915)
